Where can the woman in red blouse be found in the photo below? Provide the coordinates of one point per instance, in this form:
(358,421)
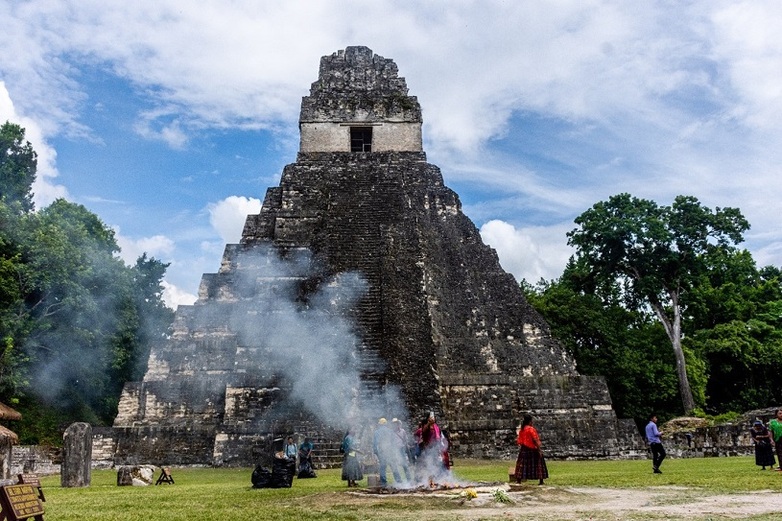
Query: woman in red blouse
(530,464)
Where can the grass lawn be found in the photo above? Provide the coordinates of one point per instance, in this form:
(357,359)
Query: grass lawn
(226,494)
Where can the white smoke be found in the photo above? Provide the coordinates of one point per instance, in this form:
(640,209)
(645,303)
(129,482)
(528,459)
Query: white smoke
(303,323)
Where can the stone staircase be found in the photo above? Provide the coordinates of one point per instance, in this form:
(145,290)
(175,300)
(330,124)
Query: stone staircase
(326,453)
(359,248)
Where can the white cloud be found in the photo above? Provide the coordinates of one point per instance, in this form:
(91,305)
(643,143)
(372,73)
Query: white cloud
(171,134)
(529,253)
(584,99)
(175,297)
(472,66)
(158,246)
(747,42)
(228,216)
(220,66)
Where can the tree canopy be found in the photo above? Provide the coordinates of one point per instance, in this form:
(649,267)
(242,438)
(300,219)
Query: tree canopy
(656,254)
(627,347)
(75,321)
(734,323)
(18,166)
(638,270)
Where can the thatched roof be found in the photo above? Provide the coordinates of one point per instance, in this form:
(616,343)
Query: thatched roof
(8,433)
(7,413)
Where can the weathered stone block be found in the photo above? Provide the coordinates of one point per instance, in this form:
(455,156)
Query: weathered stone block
(135,475)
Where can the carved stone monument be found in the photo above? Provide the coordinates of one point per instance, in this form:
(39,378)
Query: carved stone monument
(360,290)
(76,468)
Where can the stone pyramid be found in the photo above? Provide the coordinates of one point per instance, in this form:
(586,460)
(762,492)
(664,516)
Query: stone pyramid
(360,290)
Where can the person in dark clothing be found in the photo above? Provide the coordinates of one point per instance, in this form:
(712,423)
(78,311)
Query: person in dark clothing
(764,452)
(351,467)
(306,469)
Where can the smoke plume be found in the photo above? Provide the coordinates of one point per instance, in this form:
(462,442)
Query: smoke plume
(304,321)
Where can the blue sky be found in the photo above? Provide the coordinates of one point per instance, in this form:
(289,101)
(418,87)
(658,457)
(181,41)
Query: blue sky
(169,119)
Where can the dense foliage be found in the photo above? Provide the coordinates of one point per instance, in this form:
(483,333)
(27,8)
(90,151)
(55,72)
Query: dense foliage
(75,321)
(735,326)
(656,254)
(643,277)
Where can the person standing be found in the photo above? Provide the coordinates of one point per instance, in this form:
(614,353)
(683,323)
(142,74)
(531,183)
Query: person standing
(402,442)
(653,436)
(385,449)
(775,426)
(530,463)
(435,456)
(418,440)
(290,450)
(764,452)
(351,467)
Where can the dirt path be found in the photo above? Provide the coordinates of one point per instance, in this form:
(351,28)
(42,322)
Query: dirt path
(653,503)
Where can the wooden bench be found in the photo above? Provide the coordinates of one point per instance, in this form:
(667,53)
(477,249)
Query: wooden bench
(165,476)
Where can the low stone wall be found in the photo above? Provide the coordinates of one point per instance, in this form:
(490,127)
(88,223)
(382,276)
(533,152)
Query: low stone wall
(702,441)
(104,445)
(709,442)
(35,459)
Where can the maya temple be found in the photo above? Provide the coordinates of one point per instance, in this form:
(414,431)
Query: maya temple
(360,290)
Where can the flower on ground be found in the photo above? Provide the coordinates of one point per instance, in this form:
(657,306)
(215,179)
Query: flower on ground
(500,496)
(470,493)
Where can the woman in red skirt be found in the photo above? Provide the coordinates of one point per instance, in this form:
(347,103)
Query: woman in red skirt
(530,463)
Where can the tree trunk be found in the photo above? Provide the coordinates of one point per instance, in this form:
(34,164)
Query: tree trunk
(674,330)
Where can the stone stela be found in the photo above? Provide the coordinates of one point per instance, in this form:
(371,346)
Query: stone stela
(439,319)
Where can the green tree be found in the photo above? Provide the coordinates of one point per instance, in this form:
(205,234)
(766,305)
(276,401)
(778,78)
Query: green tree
(73,291)
(13,326)
(144,320)
(155,318)
(75,321)
(92,317)
(626,347)
(656,254)
(18,165)
(735,325)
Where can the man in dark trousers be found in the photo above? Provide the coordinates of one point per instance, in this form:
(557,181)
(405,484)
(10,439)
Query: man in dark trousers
(775,426)
(655,443)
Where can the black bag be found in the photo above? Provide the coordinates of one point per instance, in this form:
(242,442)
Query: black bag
(261,477)
(306,471)
(283,470)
